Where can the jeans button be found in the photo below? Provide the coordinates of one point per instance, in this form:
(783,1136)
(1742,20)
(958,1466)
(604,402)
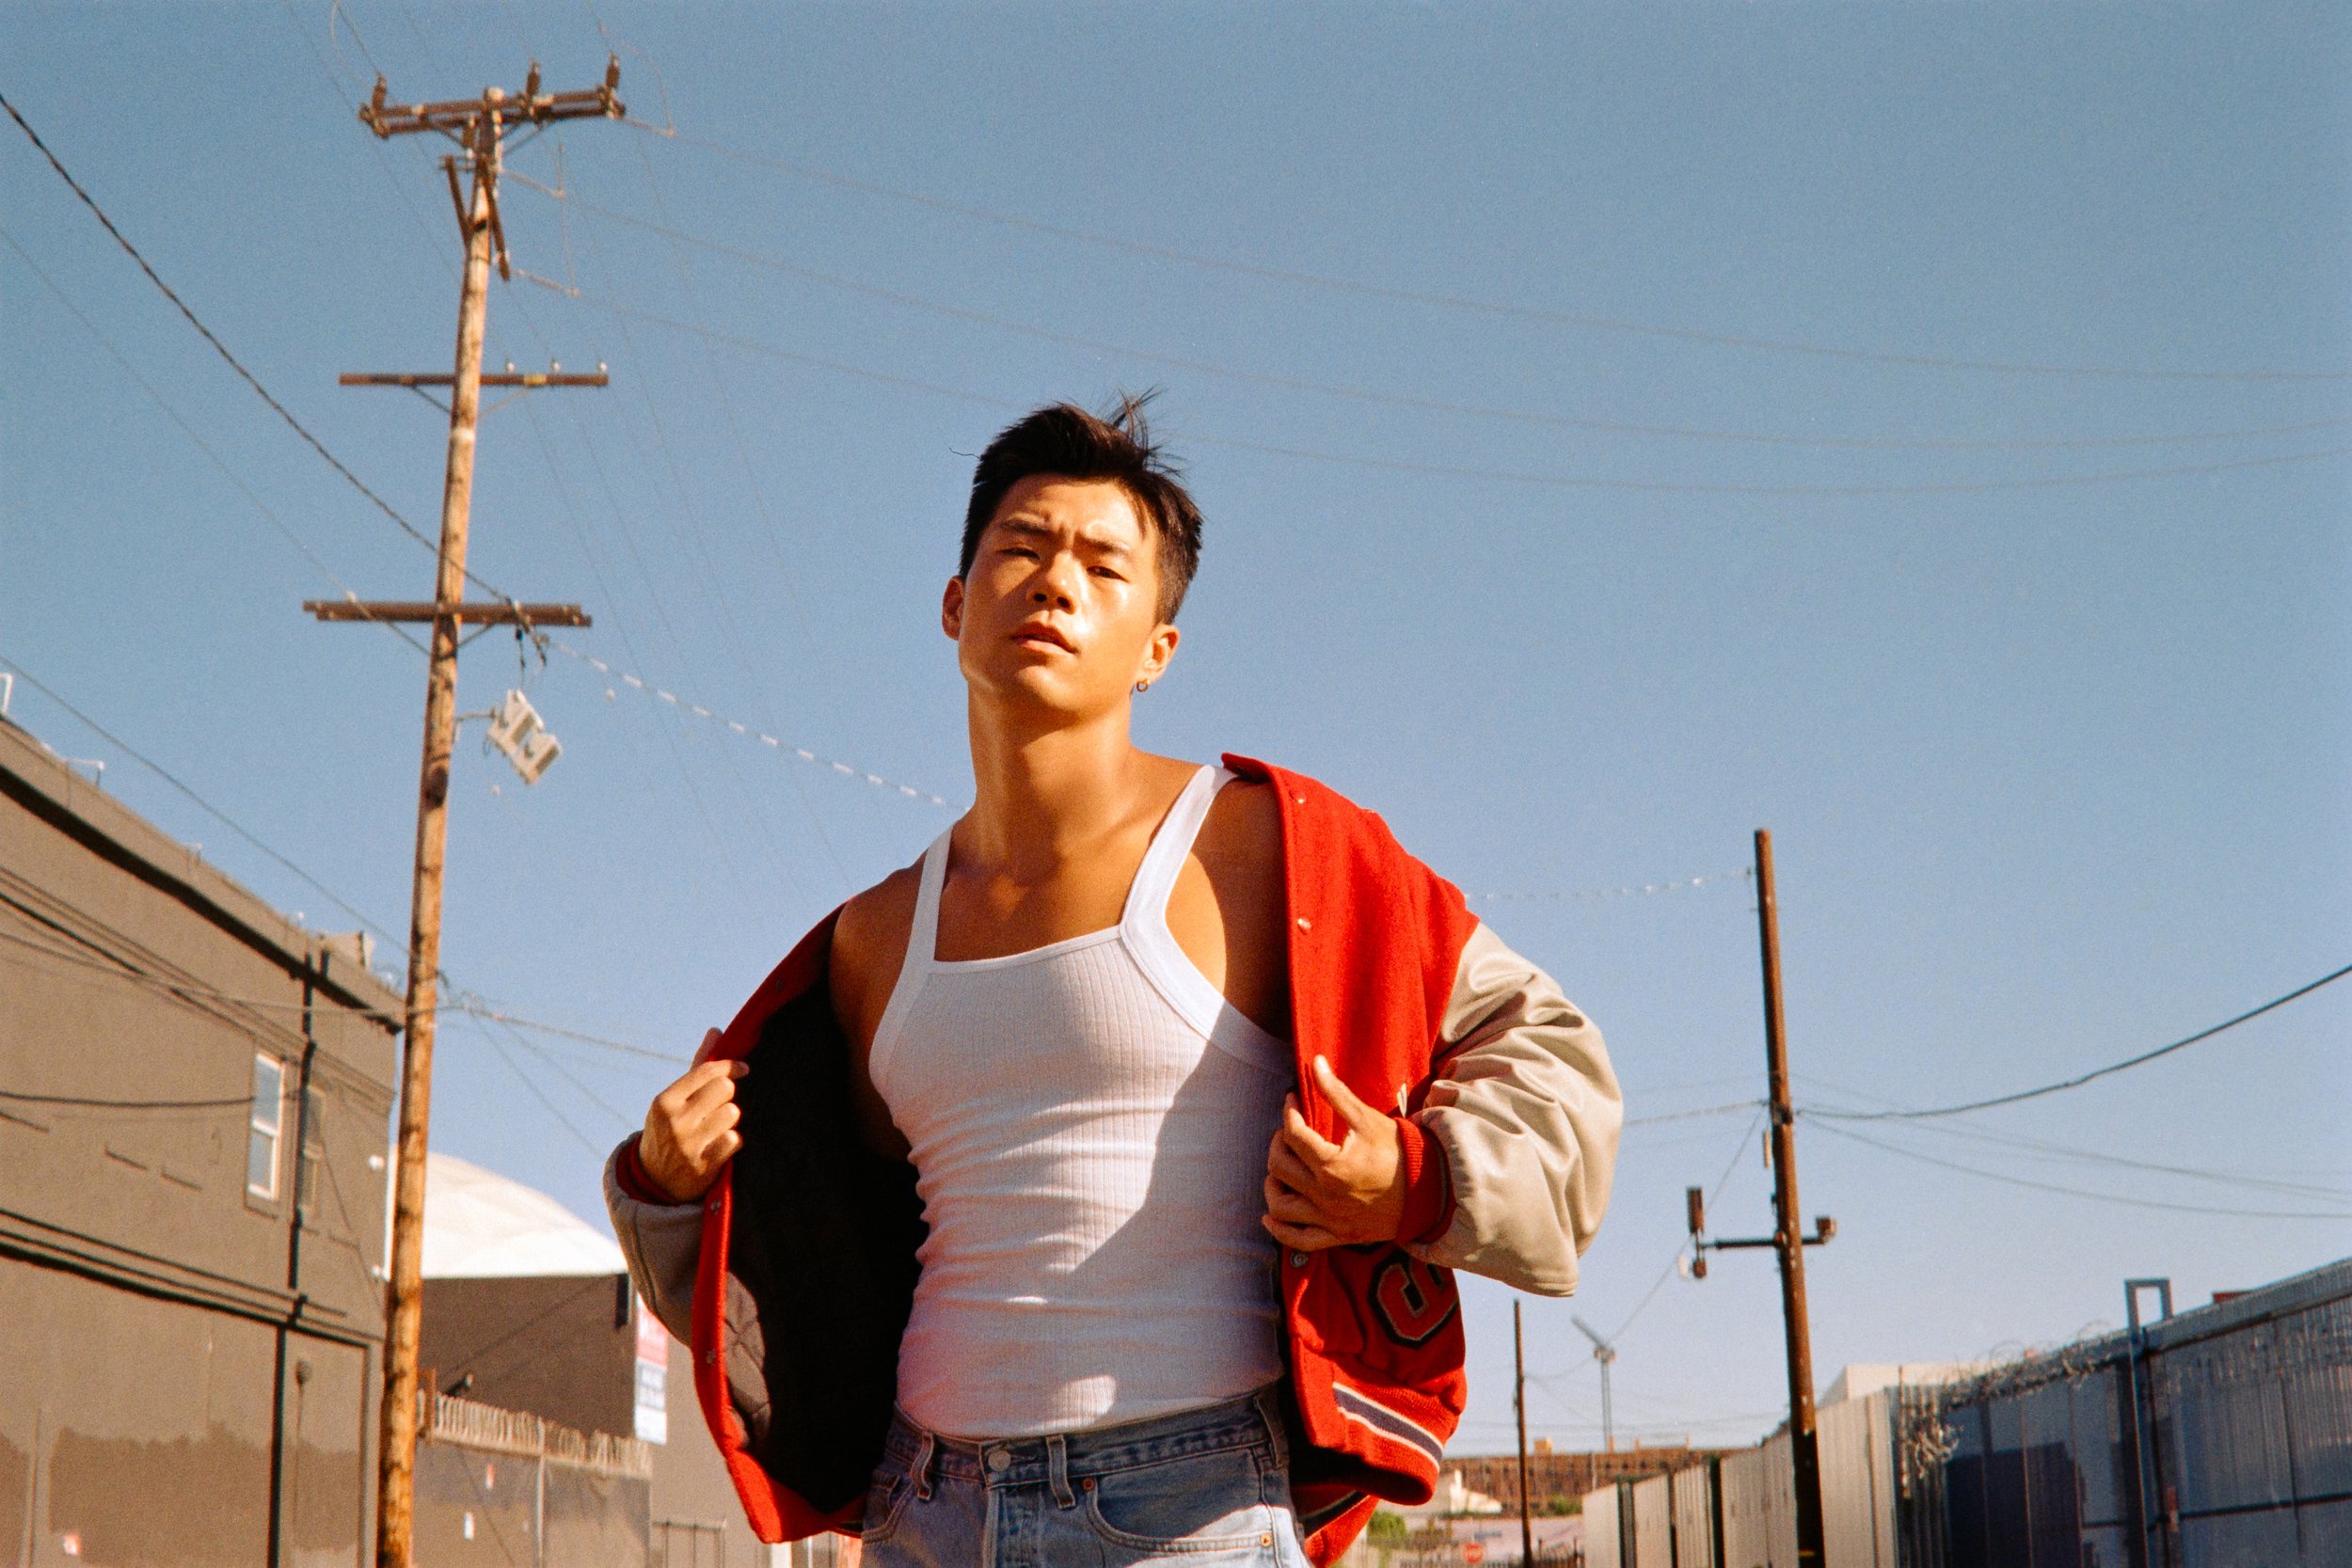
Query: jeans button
(999,1460)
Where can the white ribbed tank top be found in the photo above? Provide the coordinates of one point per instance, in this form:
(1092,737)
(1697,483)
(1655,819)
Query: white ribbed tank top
(1088,1123)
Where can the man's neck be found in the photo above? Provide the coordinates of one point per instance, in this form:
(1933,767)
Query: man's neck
(1046,793)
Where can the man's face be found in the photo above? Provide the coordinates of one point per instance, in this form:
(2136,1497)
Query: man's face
(1060,609)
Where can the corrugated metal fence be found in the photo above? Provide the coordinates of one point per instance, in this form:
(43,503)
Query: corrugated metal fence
(2218,1438)
(1605,1543)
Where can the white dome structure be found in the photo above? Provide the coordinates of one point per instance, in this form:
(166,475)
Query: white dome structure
(479,1225)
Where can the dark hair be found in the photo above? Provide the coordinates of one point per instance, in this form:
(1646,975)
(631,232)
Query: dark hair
(1065,440)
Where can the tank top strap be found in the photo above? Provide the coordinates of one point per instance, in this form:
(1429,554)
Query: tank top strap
(922,951)
(1164,962)
(1155,879)
(923,937)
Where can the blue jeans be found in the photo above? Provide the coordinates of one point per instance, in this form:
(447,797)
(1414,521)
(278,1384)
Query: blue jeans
(1209,1488)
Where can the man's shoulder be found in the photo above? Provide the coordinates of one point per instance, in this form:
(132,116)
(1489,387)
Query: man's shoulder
(1247,816)
(1272,781)
(1307,798)
(1338,837)
(878,917)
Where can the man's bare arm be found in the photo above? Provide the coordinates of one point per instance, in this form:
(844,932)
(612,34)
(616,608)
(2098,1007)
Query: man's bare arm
(869,945)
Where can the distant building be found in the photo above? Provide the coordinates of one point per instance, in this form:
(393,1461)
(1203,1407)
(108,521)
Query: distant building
(527,1307)
(1553,1480)
(195,1095)
(1860,1379)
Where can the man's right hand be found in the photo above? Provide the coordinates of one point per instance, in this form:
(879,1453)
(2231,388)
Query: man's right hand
(690,1129)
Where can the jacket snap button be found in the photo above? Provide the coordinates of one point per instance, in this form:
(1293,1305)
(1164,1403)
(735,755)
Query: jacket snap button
(1298,1260)
(1305,924)
(1000,1461)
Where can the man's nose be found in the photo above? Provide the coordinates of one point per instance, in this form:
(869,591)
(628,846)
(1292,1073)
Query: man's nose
(1051,586)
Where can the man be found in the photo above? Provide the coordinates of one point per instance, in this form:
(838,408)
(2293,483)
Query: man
(1088,1191)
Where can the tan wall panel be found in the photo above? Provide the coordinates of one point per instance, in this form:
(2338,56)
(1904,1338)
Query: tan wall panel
(327,1427)
(154,1419)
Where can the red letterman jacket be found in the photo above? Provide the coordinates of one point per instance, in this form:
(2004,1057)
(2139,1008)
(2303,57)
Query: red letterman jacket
(797,1313)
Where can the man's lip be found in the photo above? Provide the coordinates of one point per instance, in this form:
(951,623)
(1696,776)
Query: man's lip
(1040,633)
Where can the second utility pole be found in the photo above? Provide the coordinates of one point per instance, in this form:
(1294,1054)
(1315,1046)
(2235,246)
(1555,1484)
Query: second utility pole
(1518,1400)
(1804,1453)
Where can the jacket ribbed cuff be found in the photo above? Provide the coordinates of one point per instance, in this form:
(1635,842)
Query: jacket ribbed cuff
(629,1174)
(1428,1184)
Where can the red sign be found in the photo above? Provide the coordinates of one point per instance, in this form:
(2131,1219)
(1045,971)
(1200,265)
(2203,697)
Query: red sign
(653,1340)
(1474,1552)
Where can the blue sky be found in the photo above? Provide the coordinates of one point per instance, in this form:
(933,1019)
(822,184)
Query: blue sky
(2055,757)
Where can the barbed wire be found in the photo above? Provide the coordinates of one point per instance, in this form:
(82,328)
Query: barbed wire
(848,770)
(1713,879)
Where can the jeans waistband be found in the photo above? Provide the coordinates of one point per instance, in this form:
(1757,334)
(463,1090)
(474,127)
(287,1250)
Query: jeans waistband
(1251,1420)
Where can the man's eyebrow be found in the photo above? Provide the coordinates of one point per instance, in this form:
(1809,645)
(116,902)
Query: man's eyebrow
(1030,528)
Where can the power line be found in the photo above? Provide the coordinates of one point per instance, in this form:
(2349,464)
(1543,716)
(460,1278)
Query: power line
(234,362)
(80,1102)
(1565,481)
(580,527)
(194,993)
(768,532)
(2004,1177)
(2080,1079)
(2061,1152)
(1673,1264)
(1468,303)
(1705,1111)
(202,804)
(474,1007)
(621,1117)
(1688,487)
(1396,399)
(190,431)
(532,1087)
(462,1001)
(2044,1149)
(684,524)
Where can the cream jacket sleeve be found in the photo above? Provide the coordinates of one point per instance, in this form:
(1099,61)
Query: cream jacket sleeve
(662,1243)
(1523,1102)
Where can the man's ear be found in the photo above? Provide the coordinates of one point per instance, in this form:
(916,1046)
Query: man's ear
(951,610)
(1159,653)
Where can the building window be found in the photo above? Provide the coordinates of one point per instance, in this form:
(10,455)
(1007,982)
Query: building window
(268,1118)
(306,1171)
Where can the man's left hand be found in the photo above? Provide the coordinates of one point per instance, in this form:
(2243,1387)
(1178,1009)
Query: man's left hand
(1320,1193)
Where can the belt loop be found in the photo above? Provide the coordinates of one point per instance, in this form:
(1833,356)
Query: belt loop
(923,1453)
(1269,1404)
(1057,1469)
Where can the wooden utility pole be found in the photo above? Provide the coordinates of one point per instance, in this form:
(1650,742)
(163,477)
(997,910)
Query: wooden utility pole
(478,127)
(1518,1401)
(1787,1240)
(1804,1453)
